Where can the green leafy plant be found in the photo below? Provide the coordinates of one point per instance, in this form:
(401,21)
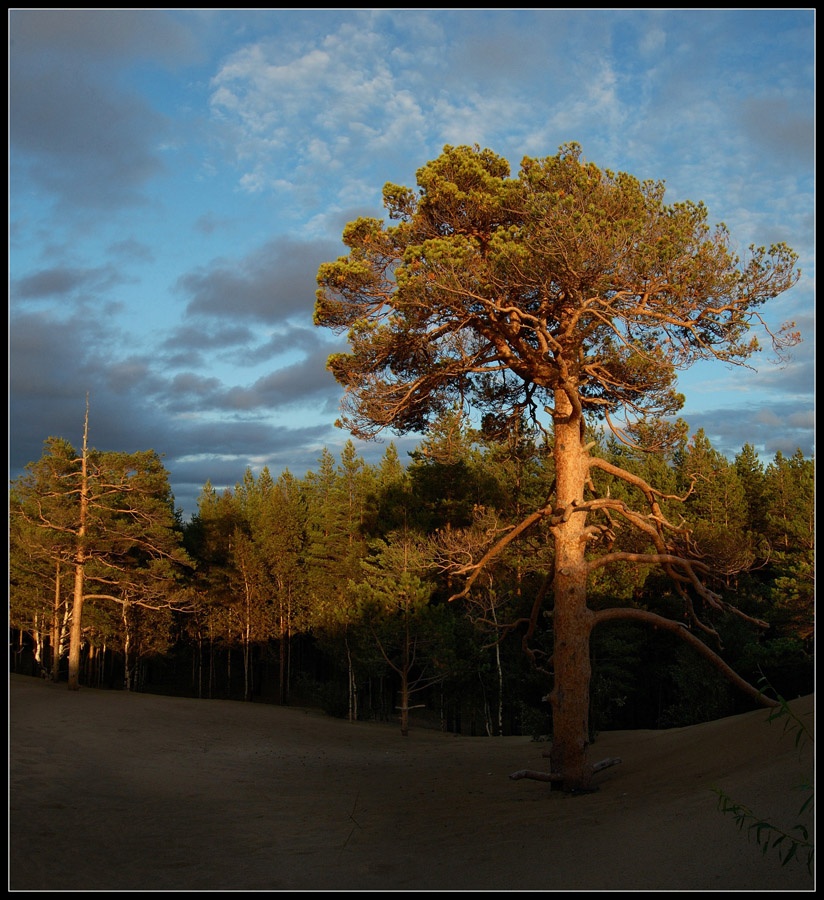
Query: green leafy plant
(789,844)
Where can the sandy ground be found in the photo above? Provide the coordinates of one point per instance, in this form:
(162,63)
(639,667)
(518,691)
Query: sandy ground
(116,791)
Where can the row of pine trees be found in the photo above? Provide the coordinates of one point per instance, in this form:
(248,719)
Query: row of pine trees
(335,589)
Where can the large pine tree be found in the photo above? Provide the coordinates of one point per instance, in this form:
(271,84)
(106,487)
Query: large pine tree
(567,293)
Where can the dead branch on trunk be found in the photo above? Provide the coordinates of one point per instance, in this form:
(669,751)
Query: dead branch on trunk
(557,776)
(536,776)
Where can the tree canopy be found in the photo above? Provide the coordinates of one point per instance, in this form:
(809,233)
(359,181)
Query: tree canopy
(497,291)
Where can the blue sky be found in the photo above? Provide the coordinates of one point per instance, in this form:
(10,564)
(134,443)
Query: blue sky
(177,177)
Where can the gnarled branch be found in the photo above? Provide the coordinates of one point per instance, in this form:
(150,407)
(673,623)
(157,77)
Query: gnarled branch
(651,618)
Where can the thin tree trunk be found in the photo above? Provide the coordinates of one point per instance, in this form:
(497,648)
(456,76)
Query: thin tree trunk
(405,703)
(282,661)
(199,664)
(38,643)
(127,646)
(405,684)
(79,566)
(55,630)
(247,662)
(288,642)
(500,671)
(350,678)
(90,662)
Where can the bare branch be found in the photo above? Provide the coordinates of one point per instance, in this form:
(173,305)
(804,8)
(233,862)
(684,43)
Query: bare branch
(678,628)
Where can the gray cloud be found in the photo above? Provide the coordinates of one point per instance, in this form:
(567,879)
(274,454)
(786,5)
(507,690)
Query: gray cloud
(59,280)
(306,340)
(55,360)
(271,284)
(102,34)
(83,143)
(208,223)
(780,126)
(205,429)
(131,250)
(204,336)
(90,144)
(783,426)
(292,385)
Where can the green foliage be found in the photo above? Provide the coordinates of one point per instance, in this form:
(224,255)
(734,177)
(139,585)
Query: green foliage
(480,294)
(323,559)
(104,521)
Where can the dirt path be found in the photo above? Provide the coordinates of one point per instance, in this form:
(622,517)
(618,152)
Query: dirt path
(133,791)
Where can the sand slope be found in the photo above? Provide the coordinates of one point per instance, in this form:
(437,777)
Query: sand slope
(133,791)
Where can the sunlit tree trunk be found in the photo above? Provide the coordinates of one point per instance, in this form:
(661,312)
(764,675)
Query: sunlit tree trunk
(79,566)
(127,648)
(56,629)
(37,635)
(572,620)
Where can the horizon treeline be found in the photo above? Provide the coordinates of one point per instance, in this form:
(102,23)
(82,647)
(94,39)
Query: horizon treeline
(335,589)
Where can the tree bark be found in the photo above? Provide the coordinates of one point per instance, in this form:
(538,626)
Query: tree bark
(55,629)
(282,660)
(127,649)
(572,619)
(76,634)
(39,642)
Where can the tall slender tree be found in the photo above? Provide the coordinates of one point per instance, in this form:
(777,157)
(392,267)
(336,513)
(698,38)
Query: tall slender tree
(336,509)
(790,514)
(111,516)
(411,634)
(569,293)
(280,536)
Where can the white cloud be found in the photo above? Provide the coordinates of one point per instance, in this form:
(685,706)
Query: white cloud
(653,41)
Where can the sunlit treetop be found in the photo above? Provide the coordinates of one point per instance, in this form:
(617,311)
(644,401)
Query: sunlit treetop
(495,292)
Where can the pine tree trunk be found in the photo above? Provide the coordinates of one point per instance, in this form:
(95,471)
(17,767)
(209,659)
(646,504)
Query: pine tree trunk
(405,684)
(405,703)
(127,649)
(572,619)
(350,678)
(79,566)
(38,644)
(282,662)
(91,663)
(75,635)
(247,642)
(288,645)
(55,629)
(199,665)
